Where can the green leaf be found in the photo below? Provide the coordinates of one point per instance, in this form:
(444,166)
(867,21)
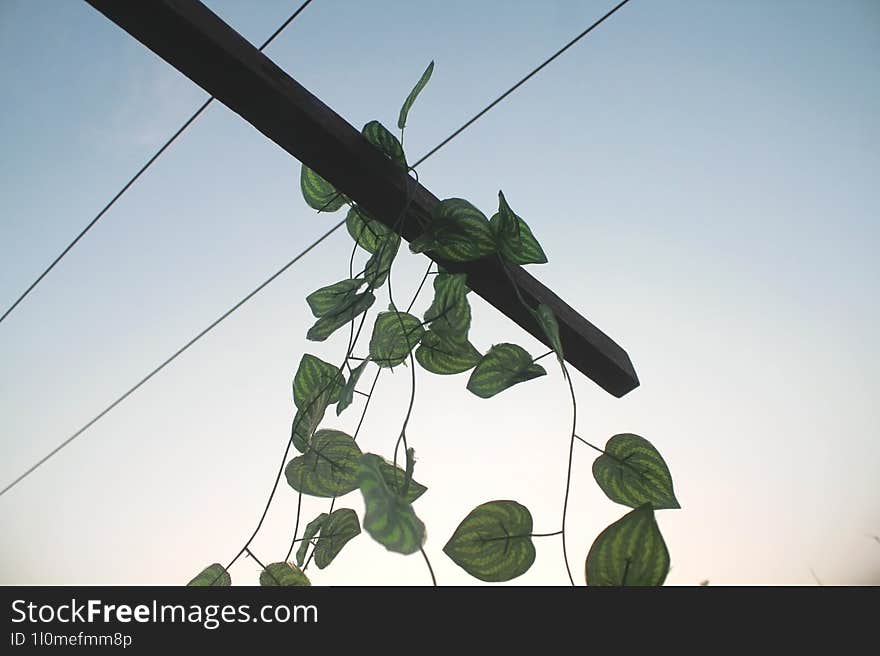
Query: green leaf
(328,468)
(283,574)
(315,377)
(450,312)
(311,531)
(494,542)
(632,472)
(378,135)
(514,238)
(339,316)
(547,320)
(318,193)
(411,98)
(458,232)
(365,230)
(410,466)
(329,298)
(442,355)
(316,385)
(379,265)
(389,519)
(347,395)
(340,527)
(214,574)
(394,336)
(629,552)
(306,422)
(503,366)
(394,477)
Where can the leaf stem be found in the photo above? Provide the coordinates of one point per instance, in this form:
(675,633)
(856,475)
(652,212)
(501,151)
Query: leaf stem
(428,563)
(592,446)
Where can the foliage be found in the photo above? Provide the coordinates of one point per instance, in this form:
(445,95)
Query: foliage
(495,541)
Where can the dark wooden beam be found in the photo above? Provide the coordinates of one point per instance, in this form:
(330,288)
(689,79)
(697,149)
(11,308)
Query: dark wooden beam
(200,45)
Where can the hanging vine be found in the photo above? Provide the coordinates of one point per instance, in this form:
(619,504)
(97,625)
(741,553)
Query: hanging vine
(494,542)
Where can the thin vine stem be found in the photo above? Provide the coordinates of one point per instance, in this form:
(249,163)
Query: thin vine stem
(568,473)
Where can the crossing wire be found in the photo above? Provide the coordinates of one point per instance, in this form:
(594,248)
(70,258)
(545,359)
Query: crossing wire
(275,275)
(140,172)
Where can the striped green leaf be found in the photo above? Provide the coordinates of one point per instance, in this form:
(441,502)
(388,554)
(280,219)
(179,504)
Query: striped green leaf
(394,336)
(347,395)
(365,230)
(214,574)
(514,238)
(328,468)
(547,320)
(632,472)
(389,519)
(318,193)
(306,422)
(394,478)
(311,531)
(283,574)
(458,232)
(340,527)
(313,378)
(450,312)
(325,300)
(494,542)
(339,316)
(442,355)
(378,135)
(503,366)
(379,265)
(411,98)
(316,385)
(629,552)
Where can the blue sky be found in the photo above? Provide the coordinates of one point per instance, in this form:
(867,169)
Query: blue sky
(699,174)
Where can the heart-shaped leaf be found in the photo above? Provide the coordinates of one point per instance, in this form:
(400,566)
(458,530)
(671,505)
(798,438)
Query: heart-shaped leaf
(494,542)
(318,193)
(632,472)
(629,552)
(394,477)
(442,355)
(315,377)
(503,366)
(394,336)
(450,312)
(328,468)
(283,574)
(378,135)
(214,574)
(340,527)
(339,316)
(365,230)
(389,519)
(514,238)
(458,232)
(329,298)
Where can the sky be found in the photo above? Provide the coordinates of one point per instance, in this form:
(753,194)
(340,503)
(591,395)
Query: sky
(699,174)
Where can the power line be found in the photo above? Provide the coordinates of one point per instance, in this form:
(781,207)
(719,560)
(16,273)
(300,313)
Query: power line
(140,172)
(177,353)
(516,86)
(293,261)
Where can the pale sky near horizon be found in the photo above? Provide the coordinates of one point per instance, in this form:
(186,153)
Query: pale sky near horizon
(699,174)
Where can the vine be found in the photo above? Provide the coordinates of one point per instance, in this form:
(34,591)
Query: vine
(494,542)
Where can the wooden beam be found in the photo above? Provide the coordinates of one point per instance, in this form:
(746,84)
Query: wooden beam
(200,45)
